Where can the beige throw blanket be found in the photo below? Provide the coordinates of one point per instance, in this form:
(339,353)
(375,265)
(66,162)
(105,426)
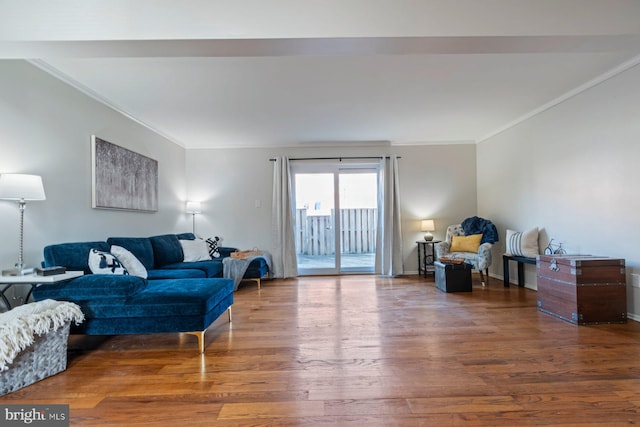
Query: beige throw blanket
(20,326)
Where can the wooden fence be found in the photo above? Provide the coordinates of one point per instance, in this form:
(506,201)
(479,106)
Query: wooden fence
(315,234)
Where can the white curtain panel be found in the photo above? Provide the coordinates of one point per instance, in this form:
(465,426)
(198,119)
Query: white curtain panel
(389,237)
(285,263)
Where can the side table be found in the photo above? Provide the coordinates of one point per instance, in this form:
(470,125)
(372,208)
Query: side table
(426,256)
(31,280)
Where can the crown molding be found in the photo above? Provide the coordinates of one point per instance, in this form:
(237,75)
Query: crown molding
(566,96)
(65,78)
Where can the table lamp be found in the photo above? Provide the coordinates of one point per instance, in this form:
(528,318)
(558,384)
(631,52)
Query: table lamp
(20,188)
(428,226)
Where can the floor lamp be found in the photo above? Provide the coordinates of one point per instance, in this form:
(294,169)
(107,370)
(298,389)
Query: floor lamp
(20,188)
(194,208)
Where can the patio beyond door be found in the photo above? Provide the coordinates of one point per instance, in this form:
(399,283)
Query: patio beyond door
(336,218)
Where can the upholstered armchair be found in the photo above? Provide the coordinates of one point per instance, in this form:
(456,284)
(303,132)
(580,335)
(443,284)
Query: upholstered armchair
(480,260)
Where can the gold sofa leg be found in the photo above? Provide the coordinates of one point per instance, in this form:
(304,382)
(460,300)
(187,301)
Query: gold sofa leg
(200,335)
(257,280)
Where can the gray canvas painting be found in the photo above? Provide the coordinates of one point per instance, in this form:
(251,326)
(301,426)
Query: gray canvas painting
(123,179)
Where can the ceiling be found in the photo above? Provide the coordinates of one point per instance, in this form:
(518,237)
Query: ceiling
(209,74)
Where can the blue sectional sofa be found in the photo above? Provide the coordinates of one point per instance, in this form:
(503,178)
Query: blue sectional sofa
(176,296)
(162,256)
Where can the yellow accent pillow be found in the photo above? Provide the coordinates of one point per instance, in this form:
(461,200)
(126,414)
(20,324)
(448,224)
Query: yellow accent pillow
(468,243)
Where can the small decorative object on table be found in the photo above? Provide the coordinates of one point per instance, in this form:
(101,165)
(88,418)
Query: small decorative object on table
(50,271)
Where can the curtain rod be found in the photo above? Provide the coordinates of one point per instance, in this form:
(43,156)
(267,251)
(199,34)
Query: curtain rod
(339,158)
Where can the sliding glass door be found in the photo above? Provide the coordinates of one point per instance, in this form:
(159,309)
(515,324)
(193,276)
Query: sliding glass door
(336,217)
(358,219)
(315,226)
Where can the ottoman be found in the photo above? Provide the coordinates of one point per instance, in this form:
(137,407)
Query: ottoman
(453,277)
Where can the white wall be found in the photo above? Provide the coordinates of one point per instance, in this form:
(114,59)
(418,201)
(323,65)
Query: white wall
(573,171)
(45,129)
(570,171)
(437,181)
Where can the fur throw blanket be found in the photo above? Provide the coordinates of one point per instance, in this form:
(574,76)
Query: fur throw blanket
(20,326)
(477,225)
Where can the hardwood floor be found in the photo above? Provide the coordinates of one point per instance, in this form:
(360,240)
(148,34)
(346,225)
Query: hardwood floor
(359,350)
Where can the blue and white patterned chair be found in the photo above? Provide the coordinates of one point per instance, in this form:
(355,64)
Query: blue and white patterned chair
(479,261)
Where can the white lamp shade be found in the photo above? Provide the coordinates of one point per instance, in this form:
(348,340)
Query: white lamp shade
(15,186)
(427,225)
(194,207)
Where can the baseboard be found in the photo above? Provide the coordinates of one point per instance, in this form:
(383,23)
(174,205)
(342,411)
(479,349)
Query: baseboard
(511,282)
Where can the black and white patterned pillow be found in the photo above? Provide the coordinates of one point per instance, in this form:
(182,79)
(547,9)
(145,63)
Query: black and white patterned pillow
(105,263)
(214,250)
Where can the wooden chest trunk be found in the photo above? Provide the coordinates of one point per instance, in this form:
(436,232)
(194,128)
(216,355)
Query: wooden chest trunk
(582,289)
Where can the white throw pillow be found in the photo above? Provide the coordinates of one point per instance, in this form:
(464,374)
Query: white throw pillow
(105,263)
(195,250)
(129,261)
(523,243)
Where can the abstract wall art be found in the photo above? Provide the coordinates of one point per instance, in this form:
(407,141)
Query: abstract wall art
(122,179)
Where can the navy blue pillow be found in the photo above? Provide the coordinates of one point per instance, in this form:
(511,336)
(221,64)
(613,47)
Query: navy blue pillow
(73,256)
(140,247)
(166,249)
(186,236)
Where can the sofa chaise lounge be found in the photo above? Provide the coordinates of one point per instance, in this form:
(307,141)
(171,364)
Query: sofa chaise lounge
(176,296)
